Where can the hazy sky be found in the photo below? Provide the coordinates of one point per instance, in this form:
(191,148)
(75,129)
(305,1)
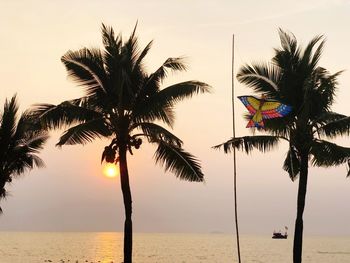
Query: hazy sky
(72,194)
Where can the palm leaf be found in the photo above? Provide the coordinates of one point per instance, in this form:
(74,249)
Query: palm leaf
(84,133)
(64,114)
(280,126)
(131,48)
(340,126)
(142,55)
(24,164)
(288,41)
(263,78)
(327,154)
(112,53)
(292,163)
(262,143)
(28,127)
(289,56)
(151,110)
(309,59)
(323,86)
(108,38)
(8,119)
(36,143)
(327,117)
(180,91)
(184,165)
(156,133)
(85,67)
(158,106)
(171,64)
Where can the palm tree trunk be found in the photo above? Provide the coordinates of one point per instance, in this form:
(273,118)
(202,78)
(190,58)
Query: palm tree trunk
(298,232)
(124,179)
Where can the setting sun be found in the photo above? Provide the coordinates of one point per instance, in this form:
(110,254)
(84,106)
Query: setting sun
(110,170)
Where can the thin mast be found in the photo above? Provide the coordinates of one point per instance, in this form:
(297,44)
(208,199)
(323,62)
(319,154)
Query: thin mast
(234,151)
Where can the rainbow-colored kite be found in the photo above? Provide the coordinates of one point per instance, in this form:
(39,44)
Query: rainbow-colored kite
(261,109)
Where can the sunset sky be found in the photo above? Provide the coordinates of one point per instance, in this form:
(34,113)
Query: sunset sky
(71,193)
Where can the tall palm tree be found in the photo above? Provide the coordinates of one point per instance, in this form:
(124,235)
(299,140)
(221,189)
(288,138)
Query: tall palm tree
(20,142)
(294,78)
(123,103)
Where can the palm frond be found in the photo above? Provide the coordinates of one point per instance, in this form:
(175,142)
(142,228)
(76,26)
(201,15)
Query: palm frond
(308,59)
(171,64)
(36,143)
(288,41)
(327,117)
(8,119)
(38,161)
(159,105)
(108,38)
(280,126)
(131,48)
(151,110)
(261,77)
(24,149)
(327,85)
(320,92)
(84,132)
(25,164)
(85,67)
(262,143)
(112,54)
(156,133)
(182,90)
(292,164)
(142,55)
(28,127)
(318,52)
(327,154)
(184,165)
(337,127)
(64,114)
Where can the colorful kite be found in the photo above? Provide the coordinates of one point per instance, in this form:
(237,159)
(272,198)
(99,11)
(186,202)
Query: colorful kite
(263,108)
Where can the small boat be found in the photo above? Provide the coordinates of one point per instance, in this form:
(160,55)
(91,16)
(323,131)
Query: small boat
(279,235)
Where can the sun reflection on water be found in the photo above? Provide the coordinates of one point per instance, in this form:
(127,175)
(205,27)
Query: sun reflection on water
(108,247)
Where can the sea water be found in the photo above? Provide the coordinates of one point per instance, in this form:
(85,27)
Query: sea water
(28,247)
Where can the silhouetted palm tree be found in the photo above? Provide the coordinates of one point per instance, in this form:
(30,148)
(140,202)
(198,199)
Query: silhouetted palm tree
(294,78)
(20,142)
(123,103)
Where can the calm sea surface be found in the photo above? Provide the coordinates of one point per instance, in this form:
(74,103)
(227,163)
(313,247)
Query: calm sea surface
(17,247)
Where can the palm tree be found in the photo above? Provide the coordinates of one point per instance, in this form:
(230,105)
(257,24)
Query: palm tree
(20,142)
(294,78)
(124,104)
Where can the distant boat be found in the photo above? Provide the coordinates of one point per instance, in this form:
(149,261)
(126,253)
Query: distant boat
(279,235)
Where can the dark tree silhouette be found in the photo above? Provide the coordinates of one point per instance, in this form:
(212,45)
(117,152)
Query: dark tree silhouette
(294,78)
(123,103)
(20,142)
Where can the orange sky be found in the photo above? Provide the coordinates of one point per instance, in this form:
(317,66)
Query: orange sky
(71,193)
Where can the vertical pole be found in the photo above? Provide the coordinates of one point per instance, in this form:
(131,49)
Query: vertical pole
(234,151)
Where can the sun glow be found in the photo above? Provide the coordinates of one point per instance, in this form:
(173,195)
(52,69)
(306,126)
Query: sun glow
(110,170)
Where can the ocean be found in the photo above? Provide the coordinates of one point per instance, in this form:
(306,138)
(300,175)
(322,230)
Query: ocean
(35,247)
